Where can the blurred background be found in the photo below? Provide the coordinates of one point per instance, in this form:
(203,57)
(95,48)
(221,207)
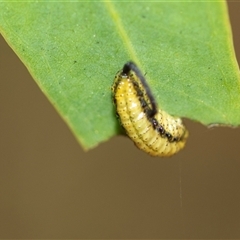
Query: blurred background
(51,188)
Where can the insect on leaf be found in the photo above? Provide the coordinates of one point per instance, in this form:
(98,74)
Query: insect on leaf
(73,51)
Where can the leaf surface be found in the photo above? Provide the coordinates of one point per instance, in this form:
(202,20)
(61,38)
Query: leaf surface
(73,51)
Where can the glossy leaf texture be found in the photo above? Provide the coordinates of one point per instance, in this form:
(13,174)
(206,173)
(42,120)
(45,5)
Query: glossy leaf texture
(74,49)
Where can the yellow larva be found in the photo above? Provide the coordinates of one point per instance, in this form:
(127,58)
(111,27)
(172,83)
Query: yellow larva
(152,130)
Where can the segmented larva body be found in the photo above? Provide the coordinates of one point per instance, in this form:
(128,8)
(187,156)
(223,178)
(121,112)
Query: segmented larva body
(152,130)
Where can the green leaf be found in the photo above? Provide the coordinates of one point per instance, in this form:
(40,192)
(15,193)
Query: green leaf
(73,51)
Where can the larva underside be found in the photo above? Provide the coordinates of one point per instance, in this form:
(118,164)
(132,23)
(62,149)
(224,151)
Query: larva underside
(152,130)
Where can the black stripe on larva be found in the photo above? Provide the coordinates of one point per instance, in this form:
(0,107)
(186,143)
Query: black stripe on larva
(158,127)
(131,66)
(143,103)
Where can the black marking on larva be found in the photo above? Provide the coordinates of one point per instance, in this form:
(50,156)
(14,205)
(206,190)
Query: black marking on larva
(169,136)
(158,127)
(131,66)
(143,103)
